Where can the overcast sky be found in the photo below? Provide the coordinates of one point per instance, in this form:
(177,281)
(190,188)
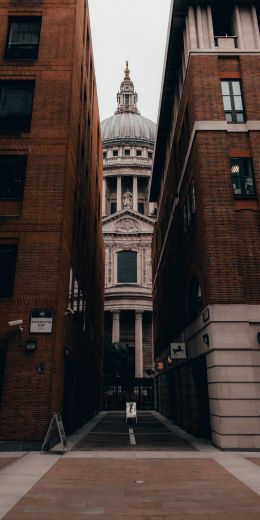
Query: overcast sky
(133,30)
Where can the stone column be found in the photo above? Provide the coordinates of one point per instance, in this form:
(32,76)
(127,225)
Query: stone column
(256,30)
(241,43)
(138,343)
(192,28)
(119,193)
(200,28)
(210,28)
(104,198)
(116,327)
(135,194)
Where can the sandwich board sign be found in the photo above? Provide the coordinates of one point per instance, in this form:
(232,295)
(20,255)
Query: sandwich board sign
(56,426)
(131,411)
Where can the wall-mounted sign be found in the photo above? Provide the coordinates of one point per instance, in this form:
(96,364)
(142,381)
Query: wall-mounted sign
(178,350)
(41,321)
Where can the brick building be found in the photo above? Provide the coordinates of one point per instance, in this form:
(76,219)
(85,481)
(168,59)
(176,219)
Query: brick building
(51,246)
(206,181)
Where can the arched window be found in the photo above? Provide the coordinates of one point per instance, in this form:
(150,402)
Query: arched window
(195,299)
(126,267)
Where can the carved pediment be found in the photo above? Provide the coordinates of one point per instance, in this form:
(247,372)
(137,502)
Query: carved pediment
(127,225)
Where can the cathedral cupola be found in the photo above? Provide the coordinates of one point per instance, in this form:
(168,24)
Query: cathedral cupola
(127,97)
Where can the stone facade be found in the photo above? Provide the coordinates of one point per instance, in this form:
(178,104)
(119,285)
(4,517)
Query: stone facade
(128,222)
(205,251)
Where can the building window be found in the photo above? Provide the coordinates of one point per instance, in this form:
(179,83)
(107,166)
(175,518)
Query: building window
(104,155)
(115,153)
(222,20)
(127,152)
(16,98)
(113,208)
(232,101)
(242,177)
(23,38)
(127,267)
(138,153)
(195,299)
(150,155)
(189,208)
(141,207)
(12,176)
(8,254)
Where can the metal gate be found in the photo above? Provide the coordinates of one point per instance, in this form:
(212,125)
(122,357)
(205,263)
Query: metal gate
(142,392)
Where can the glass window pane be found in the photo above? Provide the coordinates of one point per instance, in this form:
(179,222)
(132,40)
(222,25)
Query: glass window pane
(15,101)
(235,166)
(236,88)
(238,103)
(12,175)
(240,117)
(236,184)
(227,102)
(8,255)
(228,117)
(225,88)
(127,267)
(249,186)
(24,34)
(248,168)
(193,197)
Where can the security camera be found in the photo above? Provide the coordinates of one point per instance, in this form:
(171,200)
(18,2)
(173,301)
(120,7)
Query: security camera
(15,323)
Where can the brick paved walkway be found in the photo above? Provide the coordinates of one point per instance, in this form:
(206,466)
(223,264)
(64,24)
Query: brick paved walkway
(182,483)
(177,489)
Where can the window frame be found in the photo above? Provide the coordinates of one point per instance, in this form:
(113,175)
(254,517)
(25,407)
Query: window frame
(124,251)
(233,111)
(24,121)
(22,159)
(10,293)
(113,204)
(189,208)
(26,53)
(245,164)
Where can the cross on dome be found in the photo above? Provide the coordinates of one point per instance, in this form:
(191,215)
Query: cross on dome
(127,97)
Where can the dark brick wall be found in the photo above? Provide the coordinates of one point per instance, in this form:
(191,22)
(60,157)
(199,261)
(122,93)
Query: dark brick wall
(58,226)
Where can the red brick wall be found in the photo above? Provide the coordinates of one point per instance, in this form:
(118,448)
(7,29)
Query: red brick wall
(223,248)
(61,183)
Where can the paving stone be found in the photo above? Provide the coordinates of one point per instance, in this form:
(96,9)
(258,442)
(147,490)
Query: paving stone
(146,489)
